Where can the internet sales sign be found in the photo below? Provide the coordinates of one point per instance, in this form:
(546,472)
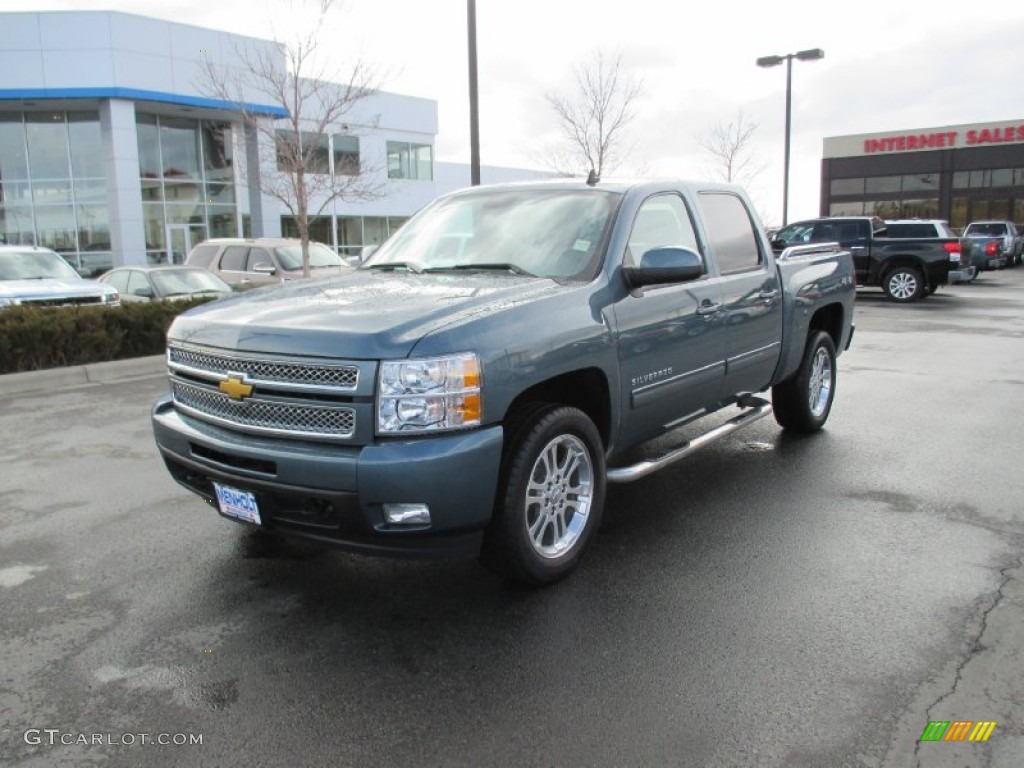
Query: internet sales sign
(946,139)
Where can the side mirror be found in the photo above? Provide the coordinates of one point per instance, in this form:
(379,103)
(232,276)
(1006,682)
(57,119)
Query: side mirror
(145,292)
(264,269)
(660,266)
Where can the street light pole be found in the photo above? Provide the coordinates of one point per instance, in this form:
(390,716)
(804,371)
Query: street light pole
(474,117)
(811,54)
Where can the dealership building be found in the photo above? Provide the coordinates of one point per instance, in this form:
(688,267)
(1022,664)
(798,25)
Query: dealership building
(960,173)
(113,152)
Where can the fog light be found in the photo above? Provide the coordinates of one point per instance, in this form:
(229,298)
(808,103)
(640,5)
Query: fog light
(407,514)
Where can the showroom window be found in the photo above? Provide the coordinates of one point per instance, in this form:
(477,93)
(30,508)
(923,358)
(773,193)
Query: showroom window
(410,161)
(53,189)
(187,175)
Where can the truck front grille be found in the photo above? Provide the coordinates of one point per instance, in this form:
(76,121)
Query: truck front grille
(336,377)
(255,414)
(297,398)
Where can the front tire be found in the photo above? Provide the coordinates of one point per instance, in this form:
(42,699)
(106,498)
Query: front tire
(802,403)
(551,496)
(903,284)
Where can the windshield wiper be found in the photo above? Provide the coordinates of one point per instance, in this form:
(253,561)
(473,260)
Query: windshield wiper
(502,266)
(395,265)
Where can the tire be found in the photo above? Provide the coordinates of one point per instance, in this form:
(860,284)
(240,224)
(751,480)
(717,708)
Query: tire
(903,284)
(802,403)
(551,496)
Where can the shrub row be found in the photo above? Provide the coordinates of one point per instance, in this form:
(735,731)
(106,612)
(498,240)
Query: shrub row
(32,338)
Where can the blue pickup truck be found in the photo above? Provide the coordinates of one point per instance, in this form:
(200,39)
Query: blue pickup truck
(473,386)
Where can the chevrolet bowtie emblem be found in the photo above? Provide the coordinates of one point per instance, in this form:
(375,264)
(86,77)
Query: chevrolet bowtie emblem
(235,388)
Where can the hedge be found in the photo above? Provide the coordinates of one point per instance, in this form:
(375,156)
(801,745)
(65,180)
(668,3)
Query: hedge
(32,338)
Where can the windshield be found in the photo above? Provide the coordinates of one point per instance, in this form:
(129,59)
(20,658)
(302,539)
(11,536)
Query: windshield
(545,233)
(181,281)
(320,255)
(34,265)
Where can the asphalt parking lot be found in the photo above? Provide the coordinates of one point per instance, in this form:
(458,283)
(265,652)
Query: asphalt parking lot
(769,602)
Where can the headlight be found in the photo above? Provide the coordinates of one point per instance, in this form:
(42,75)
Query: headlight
(429,394)
(111,298)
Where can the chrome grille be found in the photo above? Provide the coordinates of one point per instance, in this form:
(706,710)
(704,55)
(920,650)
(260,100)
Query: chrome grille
(268,416)
(342,377)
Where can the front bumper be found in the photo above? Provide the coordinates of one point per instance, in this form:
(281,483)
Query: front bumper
(337,493)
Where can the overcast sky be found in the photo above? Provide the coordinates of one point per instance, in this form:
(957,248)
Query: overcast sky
(888,66)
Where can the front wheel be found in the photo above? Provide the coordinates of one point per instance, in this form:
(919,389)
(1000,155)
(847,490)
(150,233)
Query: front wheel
(551,497)
(802,403)
(903,284)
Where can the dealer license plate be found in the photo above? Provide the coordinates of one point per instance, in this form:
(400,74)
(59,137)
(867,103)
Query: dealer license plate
(238,504)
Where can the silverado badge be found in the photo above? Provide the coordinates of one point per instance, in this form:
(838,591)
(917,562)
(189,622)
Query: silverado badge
(234,386)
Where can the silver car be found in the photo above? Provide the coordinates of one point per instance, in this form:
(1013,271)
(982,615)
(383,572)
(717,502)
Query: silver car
(254,262)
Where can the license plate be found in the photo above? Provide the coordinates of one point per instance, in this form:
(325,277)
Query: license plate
(240,505)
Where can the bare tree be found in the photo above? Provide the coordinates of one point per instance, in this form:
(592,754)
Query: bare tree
(728,145)
(290,76)
(593,116)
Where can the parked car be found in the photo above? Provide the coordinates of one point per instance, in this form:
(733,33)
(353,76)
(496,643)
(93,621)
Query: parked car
(40,277)
(978,233)
(171,281)
(934,228)
(250,263)
(906,269)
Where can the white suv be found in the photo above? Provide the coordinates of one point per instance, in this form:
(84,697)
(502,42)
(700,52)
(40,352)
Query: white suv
(39,277)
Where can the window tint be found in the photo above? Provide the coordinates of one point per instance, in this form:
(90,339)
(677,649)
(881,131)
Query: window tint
(233,259)
(662,220)
(911,230)
(733,239)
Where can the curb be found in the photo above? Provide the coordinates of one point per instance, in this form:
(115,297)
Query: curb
(79,375)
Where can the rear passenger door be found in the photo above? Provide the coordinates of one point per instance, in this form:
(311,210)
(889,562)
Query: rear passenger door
(854,236)
(232,266)
(260,257)
(751,293)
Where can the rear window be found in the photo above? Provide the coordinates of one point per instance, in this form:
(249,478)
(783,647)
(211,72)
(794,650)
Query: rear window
(201,256)
(993,229)
(916,230)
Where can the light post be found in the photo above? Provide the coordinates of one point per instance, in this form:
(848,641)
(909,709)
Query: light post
(474,118)
(811,54)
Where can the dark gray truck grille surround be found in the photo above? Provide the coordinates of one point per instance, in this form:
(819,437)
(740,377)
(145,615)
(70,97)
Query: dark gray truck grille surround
(297,399)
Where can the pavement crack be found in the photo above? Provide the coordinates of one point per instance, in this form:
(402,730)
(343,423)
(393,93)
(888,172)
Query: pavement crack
(974,646)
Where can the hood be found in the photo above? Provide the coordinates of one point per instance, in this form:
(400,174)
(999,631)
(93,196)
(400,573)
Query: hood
(364,315)
(50,288)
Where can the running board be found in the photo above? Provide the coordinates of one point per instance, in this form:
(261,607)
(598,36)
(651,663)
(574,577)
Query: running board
(756,408)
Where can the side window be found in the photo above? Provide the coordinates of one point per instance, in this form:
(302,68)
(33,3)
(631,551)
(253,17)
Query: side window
(119,280)
(201,256)
(233,258)
(731,232)
(136,281)
(662,220)
(258,256)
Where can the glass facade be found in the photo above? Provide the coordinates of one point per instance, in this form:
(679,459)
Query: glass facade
(353,232)
(187,176)
(53,189)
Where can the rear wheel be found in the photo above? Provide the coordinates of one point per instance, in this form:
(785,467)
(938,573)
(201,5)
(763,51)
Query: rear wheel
(802,403)
(903,284)
(551,497)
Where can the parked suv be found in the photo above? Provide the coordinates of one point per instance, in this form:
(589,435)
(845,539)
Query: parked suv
(1012,240)
(250,263)
(39,277)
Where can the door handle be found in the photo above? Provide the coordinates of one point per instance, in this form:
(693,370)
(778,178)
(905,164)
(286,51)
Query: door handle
(708,309)
(769,295)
